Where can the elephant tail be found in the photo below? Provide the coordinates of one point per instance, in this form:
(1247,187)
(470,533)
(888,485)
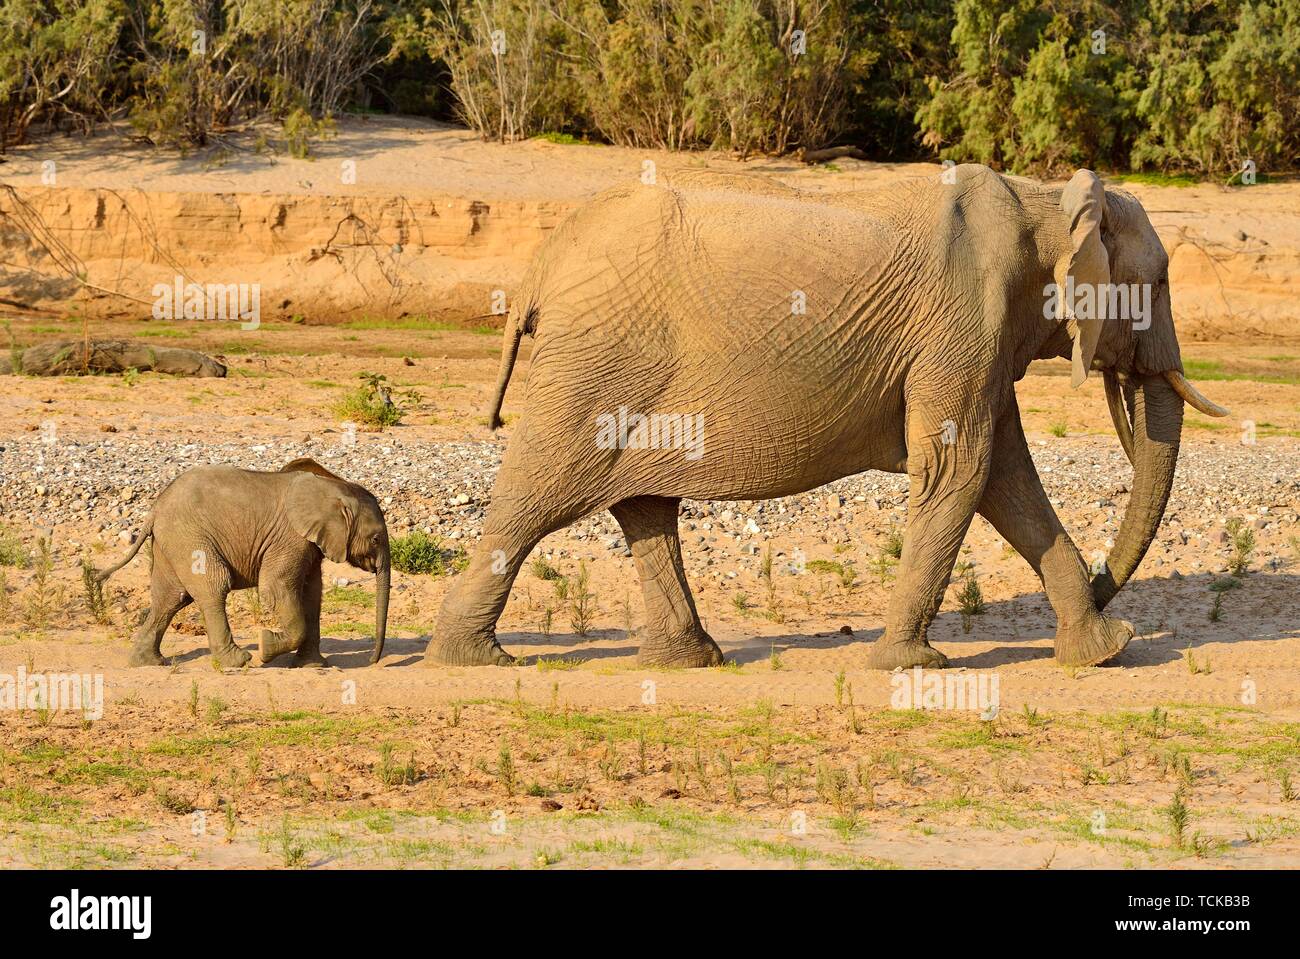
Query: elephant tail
(520,321)
(145,533)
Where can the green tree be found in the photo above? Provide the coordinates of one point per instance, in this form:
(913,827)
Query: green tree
(56,59)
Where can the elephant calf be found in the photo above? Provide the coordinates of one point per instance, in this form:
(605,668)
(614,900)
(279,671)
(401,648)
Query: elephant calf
(218,528)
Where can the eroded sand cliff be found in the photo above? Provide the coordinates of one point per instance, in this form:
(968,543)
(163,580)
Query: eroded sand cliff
(398,217)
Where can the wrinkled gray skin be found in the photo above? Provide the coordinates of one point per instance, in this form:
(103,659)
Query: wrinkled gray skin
(218,528)
(923,304)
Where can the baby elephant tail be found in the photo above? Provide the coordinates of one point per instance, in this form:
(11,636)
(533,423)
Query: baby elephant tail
(145,533)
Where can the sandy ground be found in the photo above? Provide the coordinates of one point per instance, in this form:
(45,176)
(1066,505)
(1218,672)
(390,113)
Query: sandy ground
(790,755)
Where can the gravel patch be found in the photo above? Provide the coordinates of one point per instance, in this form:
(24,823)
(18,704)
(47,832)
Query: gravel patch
(107,485)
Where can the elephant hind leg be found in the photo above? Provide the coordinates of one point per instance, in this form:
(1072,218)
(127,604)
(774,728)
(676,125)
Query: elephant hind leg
(674,636)
(220,641)
(465,634)
(166,598)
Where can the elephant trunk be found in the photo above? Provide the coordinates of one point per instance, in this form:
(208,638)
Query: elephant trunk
(382,581)
(1157,428)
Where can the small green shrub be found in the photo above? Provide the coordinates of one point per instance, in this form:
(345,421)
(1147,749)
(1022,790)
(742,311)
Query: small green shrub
(300,128)
(374,404)
(1242,540)
(544,570)
(421,553)
(893,545)
(971,599)
(96,602)
(582,602)
(12,550)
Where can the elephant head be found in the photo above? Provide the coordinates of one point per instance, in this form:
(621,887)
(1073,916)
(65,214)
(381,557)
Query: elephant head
(1111,274)
(345,522)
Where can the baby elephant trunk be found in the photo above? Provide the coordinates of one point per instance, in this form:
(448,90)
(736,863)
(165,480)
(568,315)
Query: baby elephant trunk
(382,580)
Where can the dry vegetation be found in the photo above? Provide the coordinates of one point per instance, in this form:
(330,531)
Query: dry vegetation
(522,784)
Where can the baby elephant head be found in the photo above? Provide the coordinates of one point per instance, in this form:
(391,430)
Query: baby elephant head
(345,522)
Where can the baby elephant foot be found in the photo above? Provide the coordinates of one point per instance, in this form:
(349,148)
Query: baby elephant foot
(690,650)
(1095,640)
(232,657)
(272,644)
(310,657)
(145,656)
(904,655)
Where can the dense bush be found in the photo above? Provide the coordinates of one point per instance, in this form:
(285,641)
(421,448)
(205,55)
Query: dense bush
(184,71)
(1023,85)
(505,58)
(1170,84)
(55,62)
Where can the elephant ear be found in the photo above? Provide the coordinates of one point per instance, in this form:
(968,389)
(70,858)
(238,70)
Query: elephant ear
(1085,264)
(305,464)
(320,511)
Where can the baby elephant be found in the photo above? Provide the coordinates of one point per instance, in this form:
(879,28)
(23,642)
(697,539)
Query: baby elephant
(218,528)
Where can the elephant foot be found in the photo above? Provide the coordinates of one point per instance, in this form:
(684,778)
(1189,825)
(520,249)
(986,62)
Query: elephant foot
(1093,641)
(145,656)
(232,657)
(311,658)
(690,650)
(466,653)
(272,644)
(904,655)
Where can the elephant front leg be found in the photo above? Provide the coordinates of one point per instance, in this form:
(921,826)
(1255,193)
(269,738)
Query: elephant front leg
(308,624)
(543,485)
(674,636)
(948,465)
(466,631)
(1018,507)
(295,594)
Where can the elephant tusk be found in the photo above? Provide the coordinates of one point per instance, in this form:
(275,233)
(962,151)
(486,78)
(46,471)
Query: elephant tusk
(1192,396)
(1119,413)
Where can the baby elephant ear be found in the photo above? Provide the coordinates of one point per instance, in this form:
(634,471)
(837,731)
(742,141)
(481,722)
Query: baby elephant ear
(1083,273)
(305,464)
(320,512)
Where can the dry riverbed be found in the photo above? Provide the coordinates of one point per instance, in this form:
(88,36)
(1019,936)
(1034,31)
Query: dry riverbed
(789,755)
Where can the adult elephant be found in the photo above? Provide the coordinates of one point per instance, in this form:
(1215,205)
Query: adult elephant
(819,336)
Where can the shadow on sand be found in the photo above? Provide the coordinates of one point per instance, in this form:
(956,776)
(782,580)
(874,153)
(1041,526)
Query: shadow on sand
(1170,615)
